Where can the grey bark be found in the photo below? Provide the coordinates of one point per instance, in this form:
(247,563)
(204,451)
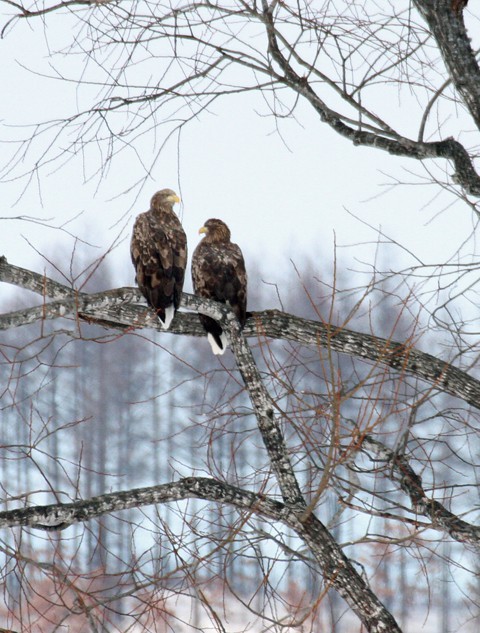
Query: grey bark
(119,308)
(114,307)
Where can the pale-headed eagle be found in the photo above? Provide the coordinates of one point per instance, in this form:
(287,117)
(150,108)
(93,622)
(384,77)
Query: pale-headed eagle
(218,272)
(159,255)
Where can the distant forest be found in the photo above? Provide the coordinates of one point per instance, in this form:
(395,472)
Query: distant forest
(101,410)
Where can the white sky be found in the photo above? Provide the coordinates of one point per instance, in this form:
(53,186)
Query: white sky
(282,197)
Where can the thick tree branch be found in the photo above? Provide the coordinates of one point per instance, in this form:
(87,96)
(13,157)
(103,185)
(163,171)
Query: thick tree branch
(449,148)
(338,570)
(398,470)
(342,576)
(61,516)
(264,408)
(396,355)
(113,308)
(448,29)
(116,305)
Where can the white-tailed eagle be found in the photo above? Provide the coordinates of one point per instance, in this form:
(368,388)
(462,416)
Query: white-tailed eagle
(218,272)
(159,255)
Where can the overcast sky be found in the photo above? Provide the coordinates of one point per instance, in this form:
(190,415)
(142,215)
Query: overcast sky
(283,195)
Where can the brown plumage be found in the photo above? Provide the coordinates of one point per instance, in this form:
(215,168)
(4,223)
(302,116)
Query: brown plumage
(159,255)
(459,5)
(218,272)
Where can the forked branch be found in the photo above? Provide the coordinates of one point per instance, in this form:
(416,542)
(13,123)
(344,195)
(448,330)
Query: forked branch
(124,308)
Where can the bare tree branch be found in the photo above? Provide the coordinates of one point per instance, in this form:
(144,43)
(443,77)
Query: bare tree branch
(338,570)
(398,469)
(465,173)
(113,308)
(205,28)
(447,26)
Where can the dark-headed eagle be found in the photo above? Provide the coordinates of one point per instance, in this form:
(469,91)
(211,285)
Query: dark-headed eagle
(159,255)
(218,272)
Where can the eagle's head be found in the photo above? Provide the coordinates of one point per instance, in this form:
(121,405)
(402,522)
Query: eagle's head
(215,231)
(164,198)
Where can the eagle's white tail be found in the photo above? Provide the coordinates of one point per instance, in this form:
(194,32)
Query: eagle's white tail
(215,347)
(169,314)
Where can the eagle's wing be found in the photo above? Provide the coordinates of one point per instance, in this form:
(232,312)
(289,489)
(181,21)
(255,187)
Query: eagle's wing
(178,245)
(159,255)
(218,272)
(231,279)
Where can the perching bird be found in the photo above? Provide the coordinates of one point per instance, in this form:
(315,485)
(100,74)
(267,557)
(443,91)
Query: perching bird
(218,272)
(159,255)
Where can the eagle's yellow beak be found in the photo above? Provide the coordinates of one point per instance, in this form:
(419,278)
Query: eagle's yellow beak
(174,198)
(203,229)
